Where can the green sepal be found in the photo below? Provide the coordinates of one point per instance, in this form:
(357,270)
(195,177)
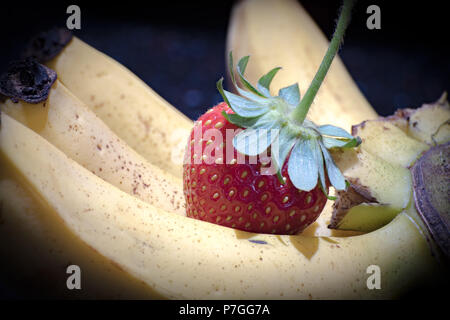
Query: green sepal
(259,98)
(280,177)
(303,168)
(280,149)
(335,176)
(258,112)
(333,131)
(341,143)
(239,105)
(240,121)
(241,66)
(219,85)
(290,94)
(319,159)
(256,139)
(253,142)
(326,193)
(231,67)
(322,177)
(265,81)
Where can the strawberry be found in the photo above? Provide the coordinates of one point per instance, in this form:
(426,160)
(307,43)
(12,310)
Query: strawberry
(255,163)
(239,195)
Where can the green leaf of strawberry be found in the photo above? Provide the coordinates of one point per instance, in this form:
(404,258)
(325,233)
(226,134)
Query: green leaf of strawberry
(290,94)
(280,169)
(265,81)
(262,115)
(303,165)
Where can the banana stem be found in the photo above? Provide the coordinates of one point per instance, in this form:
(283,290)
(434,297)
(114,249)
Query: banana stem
(299,114)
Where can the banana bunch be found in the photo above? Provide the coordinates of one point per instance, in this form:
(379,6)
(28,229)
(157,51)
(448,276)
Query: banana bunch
(72,127)
(178,257)
(86,181)
(106,86)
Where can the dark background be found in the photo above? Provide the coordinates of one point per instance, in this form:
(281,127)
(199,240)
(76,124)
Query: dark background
(178,48)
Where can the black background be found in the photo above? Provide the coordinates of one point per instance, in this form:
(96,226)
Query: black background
(178,48)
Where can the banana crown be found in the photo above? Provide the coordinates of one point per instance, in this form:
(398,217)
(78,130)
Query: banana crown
(48,44)
(269,123)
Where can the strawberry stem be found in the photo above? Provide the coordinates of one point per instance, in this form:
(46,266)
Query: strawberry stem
(299,114)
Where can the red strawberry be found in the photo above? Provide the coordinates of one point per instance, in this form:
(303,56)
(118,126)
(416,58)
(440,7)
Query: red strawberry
(226,176)
(239,195)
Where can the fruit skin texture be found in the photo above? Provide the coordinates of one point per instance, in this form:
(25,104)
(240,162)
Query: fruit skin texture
(69,125)
(133,111)
(191,259)
(240,195)
(34,268)
(391,147)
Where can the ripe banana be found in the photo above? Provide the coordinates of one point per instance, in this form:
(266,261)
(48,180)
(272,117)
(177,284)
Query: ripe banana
(179,257)
(73,128)
(34,266)
(430,123)
(398,147)
(280,33)
(379,170)
(137,114)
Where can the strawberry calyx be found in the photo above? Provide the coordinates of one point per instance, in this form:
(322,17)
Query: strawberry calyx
(279,124)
